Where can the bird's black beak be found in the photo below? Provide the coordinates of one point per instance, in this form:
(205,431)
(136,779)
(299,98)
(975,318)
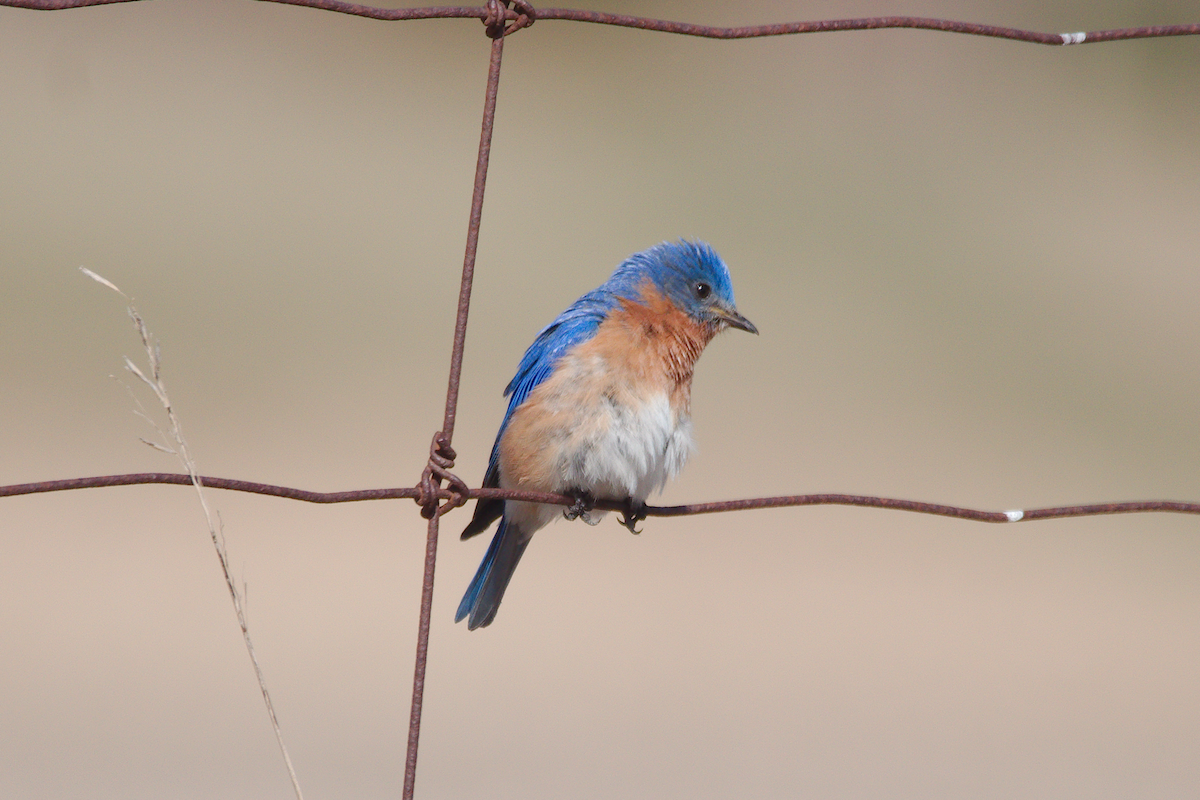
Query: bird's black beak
(733,319)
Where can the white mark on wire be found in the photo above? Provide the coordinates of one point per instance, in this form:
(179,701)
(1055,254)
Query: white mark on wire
(1015,516)
(1074,38)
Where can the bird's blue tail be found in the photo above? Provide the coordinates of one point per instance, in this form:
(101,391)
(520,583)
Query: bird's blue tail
(483,596)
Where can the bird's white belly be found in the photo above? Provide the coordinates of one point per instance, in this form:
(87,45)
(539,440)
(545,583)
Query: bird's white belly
(627,450)
(589,428)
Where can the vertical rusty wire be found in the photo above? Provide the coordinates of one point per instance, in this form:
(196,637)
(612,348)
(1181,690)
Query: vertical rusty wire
(442,440)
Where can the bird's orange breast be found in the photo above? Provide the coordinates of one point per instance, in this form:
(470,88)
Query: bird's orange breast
(617,404)
(652,343)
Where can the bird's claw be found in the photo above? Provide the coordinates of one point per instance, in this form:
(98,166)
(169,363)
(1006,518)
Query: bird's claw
(633,514)
(583,505)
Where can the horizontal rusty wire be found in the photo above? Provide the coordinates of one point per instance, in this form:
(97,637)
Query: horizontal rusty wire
(689,29)
(781,501)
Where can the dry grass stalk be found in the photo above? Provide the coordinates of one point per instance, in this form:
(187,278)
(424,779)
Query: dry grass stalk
(216,528)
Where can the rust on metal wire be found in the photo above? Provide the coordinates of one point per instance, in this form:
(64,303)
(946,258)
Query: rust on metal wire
(429,490)
(441,453)
(746,504)
(182,479)
(863,24)
(524,15)
(499,20)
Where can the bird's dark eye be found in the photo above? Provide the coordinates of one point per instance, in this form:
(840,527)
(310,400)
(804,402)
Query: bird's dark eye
(703,290)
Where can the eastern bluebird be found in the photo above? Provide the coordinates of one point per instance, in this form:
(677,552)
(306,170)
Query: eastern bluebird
(601,403)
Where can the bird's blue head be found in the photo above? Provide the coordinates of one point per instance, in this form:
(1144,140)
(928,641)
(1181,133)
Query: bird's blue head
(691,275)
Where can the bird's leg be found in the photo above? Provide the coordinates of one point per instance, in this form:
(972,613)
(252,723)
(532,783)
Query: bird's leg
(583,505)
(635,512)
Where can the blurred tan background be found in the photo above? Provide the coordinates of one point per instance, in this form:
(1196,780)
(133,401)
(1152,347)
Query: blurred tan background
(975,268)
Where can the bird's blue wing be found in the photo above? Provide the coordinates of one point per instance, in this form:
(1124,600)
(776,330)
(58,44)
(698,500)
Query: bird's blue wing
(575,325)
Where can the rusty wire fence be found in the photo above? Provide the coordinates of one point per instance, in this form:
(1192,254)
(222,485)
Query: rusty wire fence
(439,490)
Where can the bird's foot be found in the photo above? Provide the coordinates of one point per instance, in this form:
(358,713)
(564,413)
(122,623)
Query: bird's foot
(635,512)
(582,507)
